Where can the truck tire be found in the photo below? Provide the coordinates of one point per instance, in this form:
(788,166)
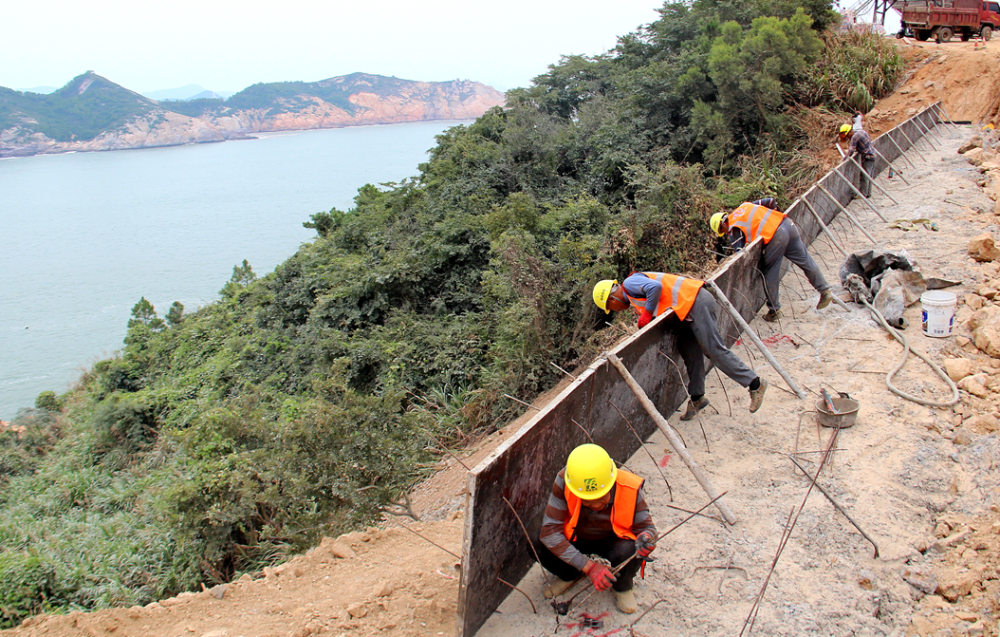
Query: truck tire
(922,34)
(987,33)
(944,34)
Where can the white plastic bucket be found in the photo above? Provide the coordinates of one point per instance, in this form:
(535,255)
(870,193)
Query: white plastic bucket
(938,313)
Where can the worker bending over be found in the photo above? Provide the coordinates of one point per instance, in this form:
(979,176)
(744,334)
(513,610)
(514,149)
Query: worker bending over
(861,144)
(597,509)
(652,294)
(762,218)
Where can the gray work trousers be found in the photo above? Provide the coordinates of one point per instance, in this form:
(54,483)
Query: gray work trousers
(868,164)
(698,337)
(786,243)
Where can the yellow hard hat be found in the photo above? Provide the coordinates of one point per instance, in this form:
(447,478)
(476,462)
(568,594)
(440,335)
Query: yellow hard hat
(716,221)
(845,129)
(590,472)
(601,293)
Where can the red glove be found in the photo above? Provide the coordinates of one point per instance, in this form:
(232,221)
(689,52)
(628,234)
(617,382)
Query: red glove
(644,544)
(644,318)
(601,576)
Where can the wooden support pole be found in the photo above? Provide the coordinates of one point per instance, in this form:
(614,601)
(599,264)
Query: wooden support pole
(924,131)
(675,440)
(871,178)
(822,225)
(891,167)
(934,127)
(912,145)
(944,111)
(836,170)
(900,149)
(748,331)
(846,212)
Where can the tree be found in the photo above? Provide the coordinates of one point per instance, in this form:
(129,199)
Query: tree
(176,314)
(144,314)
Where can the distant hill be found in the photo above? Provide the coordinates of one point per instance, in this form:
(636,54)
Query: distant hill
(92,113)
(182,93)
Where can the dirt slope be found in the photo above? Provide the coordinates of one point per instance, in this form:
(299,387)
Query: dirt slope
(902,475)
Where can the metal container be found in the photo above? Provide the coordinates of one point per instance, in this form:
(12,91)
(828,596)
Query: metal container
(847,413)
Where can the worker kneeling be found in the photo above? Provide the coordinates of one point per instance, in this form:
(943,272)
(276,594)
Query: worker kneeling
(652,294)
(762,218)
(595,509)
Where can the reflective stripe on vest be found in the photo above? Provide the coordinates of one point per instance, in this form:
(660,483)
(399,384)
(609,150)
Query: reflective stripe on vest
(755,221)
(622,509)
(678,293)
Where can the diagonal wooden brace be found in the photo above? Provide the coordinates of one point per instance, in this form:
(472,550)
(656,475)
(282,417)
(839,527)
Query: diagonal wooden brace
(675,440)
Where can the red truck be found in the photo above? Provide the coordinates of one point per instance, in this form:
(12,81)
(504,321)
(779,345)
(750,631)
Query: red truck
(943,19)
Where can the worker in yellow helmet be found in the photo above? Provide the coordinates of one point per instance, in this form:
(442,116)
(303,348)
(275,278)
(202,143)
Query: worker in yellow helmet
(861,144)
(695,323)
(761,218)
(595,509)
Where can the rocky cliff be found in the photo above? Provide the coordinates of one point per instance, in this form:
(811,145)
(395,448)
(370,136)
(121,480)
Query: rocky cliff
(354,100)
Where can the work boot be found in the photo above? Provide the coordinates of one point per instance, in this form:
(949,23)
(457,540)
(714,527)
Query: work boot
(694,406)
(757,396)
(556,588)
(825,298)
(772,316)
(625,601)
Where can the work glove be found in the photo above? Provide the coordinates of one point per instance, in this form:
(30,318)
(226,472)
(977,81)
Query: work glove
(644,318)
(644,544)
(601,576)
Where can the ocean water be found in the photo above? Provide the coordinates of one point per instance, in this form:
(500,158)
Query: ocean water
(84,236)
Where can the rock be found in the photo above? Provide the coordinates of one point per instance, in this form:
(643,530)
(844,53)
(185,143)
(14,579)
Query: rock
(357,610)
(985,328)
(982,424)
(961,437)
(338,549)
(975,142)
(955,584)
(218,592)
(921,580)
(974,301)
(959,368)
(986,292)
(946,543)
(383,590)
(974,385)
(975,156)
(982,248)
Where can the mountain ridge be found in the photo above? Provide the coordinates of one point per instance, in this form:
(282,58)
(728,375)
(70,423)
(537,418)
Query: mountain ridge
(92,113)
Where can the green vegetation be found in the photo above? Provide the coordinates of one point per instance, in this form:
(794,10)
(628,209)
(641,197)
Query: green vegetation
(304,402)
(83,109)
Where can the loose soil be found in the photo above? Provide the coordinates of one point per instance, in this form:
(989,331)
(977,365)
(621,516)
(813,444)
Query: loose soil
(923,485)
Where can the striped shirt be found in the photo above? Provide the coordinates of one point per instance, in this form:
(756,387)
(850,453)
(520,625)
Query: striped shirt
(592,525)
(861,142)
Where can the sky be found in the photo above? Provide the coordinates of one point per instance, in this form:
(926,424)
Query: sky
(224,45)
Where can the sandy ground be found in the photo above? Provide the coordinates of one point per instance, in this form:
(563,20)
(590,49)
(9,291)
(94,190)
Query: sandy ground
(922,484)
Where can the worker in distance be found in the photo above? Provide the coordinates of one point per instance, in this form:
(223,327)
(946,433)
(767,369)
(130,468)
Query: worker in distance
(695,313)
(595,510)
(861,144)
(762,218)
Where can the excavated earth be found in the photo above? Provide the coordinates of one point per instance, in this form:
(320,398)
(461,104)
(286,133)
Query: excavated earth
(922,482)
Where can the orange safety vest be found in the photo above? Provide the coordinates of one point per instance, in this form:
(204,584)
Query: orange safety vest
(755,221)
(678,293)
(622,509)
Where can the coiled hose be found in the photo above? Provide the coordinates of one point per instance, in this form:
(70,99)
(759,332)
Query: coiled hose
(902,361)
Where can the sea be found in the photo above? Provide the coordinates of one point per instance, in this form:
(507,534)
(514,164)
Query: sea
(85,236)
